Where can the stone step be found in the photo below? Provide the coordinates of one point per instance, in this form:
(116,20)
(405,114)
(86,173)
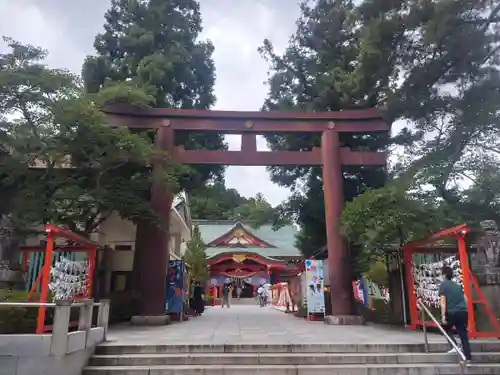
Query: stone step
(111,348)
(373,369)
(282,359)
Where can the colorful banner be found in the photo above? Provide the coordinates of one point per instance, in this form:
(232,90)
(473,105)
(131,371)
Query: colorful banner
(315,286)
(175,287)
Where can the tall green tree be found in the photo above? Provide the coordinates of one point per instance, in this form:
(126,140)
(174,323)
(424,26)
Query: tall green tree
(195,256)
(62,163)
(430,63)
(384,219)
(451,98)
(216,202)
(313,74)
(155,45)
(257,211)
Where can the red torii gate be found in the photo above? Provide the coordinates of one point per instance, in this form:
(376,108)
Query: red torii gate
(458,232)
(151,242)
(80,244)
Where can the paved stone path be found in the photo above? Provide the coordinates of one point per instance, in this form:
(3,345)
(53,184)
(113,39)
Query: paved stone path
(242,324)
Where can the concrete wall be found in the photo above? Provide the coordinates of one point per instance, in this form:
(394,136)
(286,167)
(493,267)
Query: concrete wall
(61,352)
(32,354)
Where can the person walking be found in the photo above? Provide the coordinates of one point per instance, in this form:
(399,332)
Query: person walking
(225,296)
(454,311)
(198,302)
(260,295)
(238,292)
(230,295)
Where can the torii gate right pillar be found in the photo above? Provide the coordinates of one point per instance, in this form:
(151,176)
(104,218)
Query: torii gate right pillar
(339,260)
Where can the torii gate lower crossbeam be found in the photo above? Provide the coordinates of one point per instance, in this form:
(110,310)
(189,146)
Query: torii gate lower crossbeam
(152,243)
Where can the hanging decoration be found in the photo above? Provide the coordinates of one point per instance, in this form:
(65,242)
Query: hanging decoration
(427,278)
(69,279)
(238,274)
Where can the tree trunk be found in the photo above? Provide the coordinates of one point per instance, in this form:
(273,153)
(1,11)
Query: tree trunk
(10,272)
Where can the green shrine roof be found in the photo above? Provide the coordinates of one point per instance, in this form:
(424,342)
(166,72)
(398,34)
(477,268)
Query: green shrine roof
(277,243)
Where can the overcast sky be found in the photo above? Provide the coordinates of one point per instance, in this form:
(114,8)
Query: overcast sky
(67,28)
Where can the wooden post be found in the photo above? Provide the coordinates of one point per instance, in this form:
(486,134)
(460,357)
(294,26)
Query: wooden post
(152,240)
(92,253)
(339,264)
(45,279)
(412,299)
(464,265)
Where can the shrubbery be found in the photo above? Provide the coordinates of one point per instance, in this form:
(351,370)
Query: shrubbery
(381,314)
(19,319)
(208,300)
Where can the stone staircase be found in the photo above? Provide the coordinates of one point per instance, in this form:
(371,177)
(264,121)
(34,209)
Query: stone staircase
(314,359)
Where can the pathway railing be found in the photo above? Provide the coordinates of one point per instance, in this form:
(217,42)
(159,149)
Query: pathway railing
(425,311)
(62,313)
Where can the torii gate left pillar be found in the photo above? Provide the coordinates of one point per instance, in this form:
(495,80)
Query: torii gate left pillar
(151,255)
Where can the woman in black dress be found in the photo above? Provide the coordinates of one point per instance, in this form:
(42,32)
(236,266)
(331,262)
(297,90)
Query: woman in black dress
(198,302)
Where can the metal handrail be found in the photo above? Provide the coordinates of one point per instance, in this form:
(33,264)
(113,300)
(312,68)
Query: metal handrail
(460,353)
(42,304)
(27,304)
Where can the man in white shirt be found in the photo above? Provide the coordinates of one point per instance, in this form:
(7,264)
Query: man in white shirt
(261,293)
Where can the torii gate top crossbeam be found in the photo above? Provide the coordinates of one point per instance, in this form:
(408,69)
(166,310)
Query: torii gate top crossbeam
(166,121)
(232,122)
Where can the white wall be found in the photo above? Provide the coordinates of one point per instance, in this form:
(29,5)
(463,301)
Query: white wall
(118,232)
(115,232)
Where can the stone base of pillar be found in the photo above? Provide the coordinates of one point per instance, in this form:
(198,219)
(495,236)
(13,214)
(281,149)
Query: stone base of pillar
(156,320)
(344,320)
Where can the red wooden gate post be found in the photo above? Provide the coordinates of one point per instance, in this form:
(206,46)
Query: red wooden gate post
(339,264)
(466,278)
(45,277)
(152,243)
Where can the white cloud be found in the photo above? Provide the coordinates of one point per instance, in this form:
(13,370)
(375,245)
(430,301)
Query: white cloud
(67,29)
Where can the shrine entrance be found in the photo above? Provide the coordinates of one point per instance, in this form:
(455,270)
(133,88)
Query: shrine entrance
(152,242)
(243,288)
(247,257)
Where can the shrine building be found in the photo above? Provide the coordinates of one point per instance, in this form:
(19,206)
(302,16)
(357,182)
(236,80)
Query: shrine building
(249,257)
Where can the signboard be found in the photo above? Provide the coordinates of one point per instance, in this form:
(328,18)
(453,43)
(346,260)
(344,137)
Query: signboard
(315,286)
(175,287)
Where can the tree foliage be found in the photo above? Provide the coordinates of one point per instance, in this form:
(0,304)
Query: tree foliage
(377,273)
(306,77)
(257,211)
(216,202)
(195,256)
(381,220)
(62,162)
(155,45)
(432,64)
